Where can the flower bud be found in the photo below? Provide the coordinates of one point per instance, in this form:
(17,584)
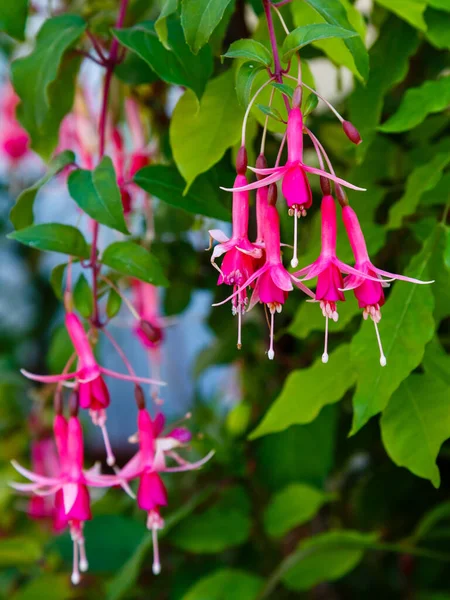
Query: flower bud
(272,194)
(325,186)
(139,397)
(153,334)
(58,402)
(297,97)
(351,132)
(74,403)
(241,161)
(341,195)
(261,163)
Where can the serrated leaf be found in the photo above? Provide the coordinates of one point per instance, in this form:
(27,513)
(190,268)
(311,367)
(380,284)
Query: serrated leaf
(245,77)
(199,19)
(82,296)
(113,304)
(200,133)
(177,65)
(133,260)
(421,180)
(436,362)
(306,391)
(431,97)
(44,81)
(225,583)
(308,318)
(415,424)
(13,18)
(306,34)
(21,214)
(53,237)
(295,505)
(270,112)
(97,194)
(409,10)
(168,185)
(251,50)
(168,8)
(406,327)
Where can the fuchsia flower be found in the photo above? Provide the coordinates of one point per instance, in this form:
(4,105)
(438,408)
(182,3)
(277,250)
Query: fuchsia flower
(69,486)
(150,328)
(146,465)
(14,140)
(368,283)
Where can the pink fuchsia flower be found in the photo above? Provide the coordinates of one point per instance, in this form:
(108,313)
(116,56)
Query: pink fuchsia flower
(14,140)
(69,485)
(240,254)
(368,284)
(93,392)
(146,465)
(273,281)
(150,328)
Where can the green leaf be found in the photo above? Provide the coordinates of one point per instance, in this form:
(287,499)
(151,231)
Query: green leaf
(439,271)
(436,362)
(415,424)
(57,278)
(167,184)
(325,557)
(302,36)
(50,587)
(438,24)
(421,180)
(245,77)
(293,506)
(21,214)
(308,318)
(225,583)
(13,18)
(44,80)
(135,71)
(409,10)
(251,50)
(133,260)
(168,8)
(113,304)
(311,104)
(60,350)
(199,18)
(407,326)
(431,97)
(427,524)
(53,237)
(287,90)
(225,525)
(97,194)
(82,296)
(307,391)
(178,65)
(334,13)
(439,4)
(270,112)
(16,551)
(201,133)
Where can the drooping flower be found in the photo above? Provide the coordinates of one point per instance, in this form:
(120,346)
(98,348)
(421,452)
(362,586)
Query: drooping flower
(14,140)
(368,284)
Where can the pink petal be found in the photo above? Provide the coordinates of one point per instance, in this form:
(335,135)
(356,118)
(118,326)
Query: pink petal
(24,487)
(257,184)
(133,468)
(281,278)
(34,476)
(268,171)
(70,492)
(218,235)
(190,466)
(256,274)
(304,289)
(255,297)
(399,277)
(50,378)
(133,378)
(255,253)
(348,269)
(333,178)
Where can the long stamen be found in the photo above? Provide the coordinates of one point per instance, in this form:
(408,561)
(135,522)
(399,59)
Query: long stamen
(110,458)
(383,360)
(294,260)
(325,349)
(250,104)
(317,145)
(75,578)
(84,565)
(156,567)
(271,352)
(239,341)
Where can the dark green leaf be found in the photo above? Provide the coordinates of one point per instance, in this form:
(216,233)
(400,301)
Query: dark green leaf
(168,8)
(17,551)
(167,184)
(438,24)
(225,583)
(199,18)
(21,214)
(135,71)
(285,89)
(178,65)
(311,103)
(301,36)
(50,587)
(113,304)
(439,4)
(82,296)
(251,50)
(13,18)
(270,112)
(133,260)
(436,362)
(53,237)
(97,194)
(245,78)
(57,278)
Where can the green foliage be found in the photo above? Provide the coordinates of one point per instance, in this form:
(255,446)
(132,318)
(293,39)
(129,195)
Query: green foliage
(82,296)
(97,194)
(167,9)
(13,18)
(199,19)
(225,583)
(53,237)
(113,304)
(409,10)
(134,260)
(245,77)
(19,551)
(251,50)
(302,36)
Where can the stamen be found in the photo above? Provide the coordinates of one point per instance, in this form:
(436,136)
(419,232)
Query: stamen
(239,341)
(294,260)
(383,360)
(271,352)
(110,458)
(325,349)
(84,565)
(124,484)
(156,567)
(75,578)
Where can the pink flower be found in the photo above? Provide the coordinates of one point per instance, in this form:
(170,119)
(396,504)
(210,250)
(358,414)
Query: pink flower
(149,330)
(14,140)
(368,283)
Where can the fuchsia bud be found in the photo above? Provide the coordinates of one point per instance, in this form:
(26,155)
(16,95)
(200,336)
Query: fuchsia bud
(297,97)
(241,161)
(351,132)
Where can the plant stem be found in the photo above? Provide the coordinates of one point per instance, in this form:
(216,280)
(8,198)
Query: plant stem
(278,73)
(111,63)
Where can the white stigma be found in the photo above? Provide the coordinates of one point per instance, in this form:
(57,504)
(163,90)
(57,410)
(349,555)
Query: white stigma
(271,352)
(294,260)
(156,568)
(75,578)
(239,340)
(110,458)
(325,349)
(383,360)
(325,358)
(84,565)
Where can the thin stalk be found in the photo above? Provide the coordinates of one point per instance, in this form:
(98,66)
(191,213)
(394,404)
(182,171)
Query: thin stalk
(278,73)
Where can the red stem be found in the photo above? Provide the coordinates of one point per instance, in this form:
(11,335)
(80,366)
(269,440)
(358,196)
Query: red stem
(111,63)
(273,42)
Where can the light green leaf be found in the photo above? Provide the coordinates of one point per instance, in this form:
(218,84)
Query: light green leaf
(113,304)
(270,112)
(97,194)
(225,583)
(177,65)
(44,80)
(285,89)
(436,362)
(50,587)
(133,260)
(17,551)
(309,318)
(409,10)
(13,18)
(440,272)
(325,557)
(439,4)
(416,423)
(302,36)
(199,18)
(245,77)
(251,50)
(169,7)
(431,97)
(21,214)
(53,237)
(201,133)
(421,180)
(294,505)
(438,25)
(406,327)
(82,296)
(225,525)
(307,391)
(167,184)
